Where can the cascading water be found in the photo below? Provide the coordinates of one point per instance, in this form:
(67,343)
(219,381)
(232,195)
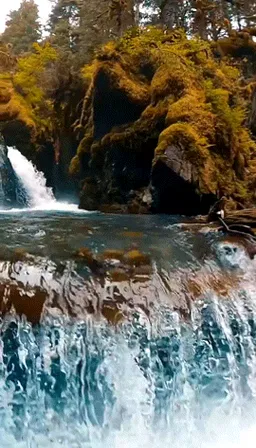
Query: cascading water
(33,181)
(178,370)
(38,195)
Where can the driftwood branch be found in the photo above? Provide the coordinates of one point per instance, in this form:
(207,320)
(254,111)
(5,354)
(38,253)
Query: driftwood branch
(252,18)
(246,216)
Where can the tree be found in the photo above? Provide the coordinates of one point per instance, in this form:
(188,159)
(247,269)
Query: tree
(23,28)
(80,26)
(33,80)
(169,13)
(63,22)
(123,13)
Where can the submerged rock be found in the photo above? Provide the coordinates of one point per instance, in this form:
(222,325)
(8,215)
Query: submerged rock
(117,265)
(24,300)
(20,254)
(136,258)
(113,254)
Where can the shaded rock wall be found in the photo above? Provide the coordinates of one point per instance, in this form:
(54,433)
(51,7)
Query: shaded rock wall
(11,192)
(50,150)
(164,128)
(161,128)
(16,119)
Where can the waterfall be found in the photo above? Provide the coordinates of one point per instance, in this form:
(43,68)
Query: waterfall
(84,385)
(97,354)
(151,382)
(11,191)
(33,181)
(38,195)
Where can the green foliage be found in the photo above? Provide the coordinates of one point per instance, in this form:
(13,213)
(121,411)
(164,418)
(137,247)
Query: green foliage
(77,28)
(192,102)
(29,81)
(12,105)
(22,27)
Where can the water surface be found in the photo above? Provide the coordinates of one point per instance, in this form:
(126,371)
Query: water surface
(162,355)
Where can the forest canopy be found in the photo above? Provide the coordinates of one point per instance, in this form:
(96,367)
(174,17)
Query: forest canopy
(49,63)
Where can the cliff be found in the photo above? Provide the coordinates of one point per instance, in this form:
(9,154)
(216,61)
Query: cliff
(26,112)
(16,118)
(163,127)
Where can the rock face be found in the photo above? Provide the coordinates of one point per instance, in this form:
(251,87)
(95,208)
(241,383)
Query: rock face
(11,192)
(18,129)
(163,128)
(16,121)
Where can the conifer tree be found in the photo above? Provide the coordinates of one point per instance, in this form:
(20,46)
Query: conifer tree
(23,28)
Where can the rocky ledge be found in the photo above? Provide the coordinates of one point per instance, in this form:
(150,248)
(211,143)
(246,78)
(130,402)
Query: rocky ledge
(163,128)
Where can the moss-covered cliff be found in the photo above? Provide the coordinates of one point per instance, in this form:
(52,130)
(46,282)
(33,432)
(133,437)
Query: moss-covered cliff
(39,104)
(16,117)
(26,111)
(164,127)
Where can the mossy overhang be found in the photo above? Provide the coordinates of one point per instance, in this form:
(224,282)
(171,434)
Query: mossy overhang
(119,98)
(16,121)
(191,102)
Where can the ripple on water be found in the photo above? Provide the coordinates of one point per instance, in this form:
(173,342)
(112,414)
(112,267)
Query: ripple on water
(124,351)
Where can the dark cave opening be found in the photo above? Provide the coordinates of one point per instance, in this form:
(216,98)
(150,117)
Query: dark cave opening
(17,135)
(111,107)
(45,162)
(173,195)
(131,167)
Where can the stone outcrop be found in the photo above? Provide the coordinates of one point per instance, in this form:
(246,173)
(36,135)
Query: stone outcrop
(16,120)
(163,128)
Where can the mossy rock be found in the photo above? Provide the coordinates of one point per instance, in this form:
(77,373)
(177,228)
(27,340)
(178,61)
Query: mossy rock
(5,92)
(113,254)
(85,253)
(21,254)
(75,167)
(136,258)
(190,131)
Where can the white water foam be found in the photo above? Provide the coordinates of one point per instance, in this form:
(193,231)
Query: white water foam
(40,197)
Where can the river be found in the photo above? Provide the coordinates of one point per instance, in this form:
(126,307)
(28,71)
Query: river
(123,331)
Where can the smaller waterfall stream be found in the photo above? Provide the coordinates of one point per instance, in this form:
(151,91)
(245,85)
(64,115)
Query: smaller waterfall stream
(38,195)
(33,181)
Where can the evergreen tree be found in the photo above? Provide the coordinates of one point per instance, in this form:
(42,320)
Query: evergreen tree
(78,27)
(63,24)
(22,27)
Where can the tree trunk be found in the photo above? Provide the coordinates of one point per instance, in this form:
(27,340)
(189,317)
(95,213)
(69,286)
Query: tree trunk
(225,10)
(169,13)
(127,15)
(252,117)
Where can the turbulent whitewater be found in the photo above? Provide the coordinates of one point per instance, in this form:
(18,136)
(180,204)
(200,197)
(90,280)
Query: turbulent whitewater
(38,195)
(120,331)
(33,181)
(108,354)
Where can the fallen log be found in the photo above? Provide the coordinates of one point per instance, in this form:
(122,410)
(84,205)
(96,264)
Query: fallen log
(244,217)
